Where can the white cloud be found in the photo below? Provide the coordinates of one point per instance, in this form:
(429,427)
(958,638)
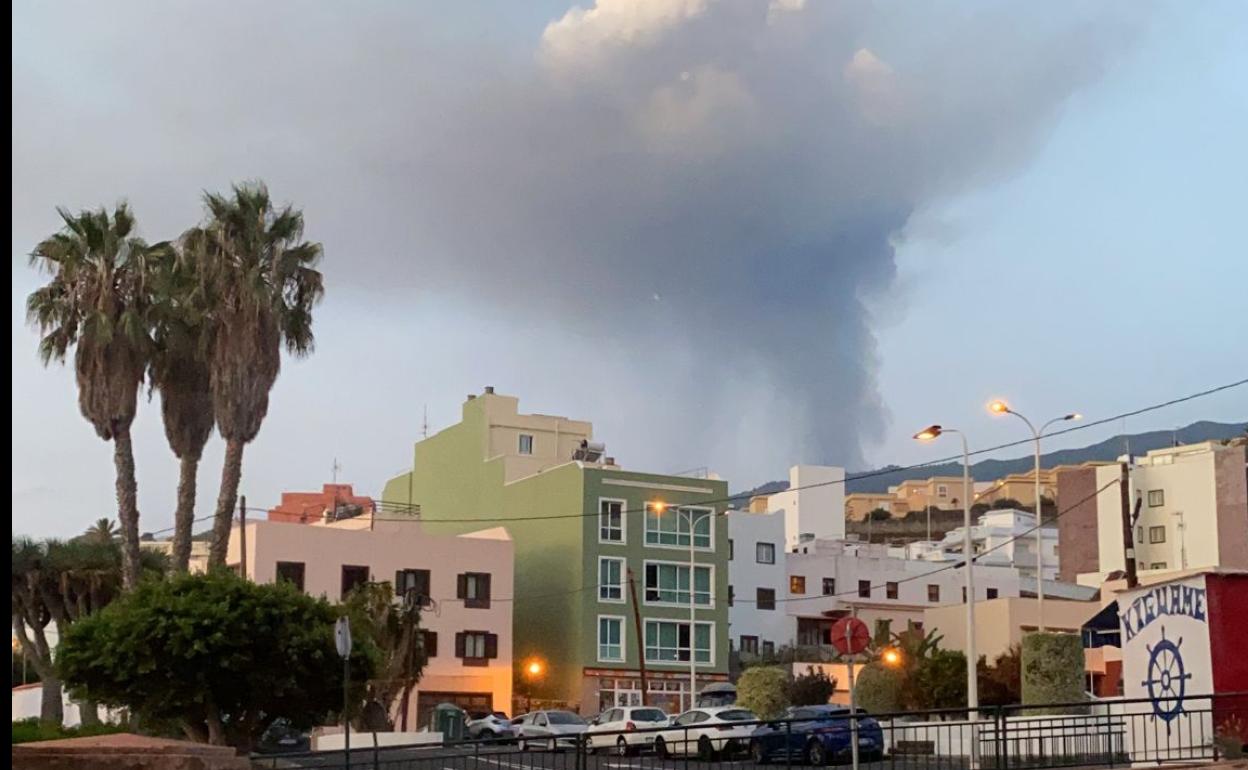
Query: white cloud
(583,35)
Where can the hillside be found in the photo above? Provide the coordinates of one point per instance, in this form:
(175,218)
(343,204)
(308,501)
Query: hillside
(986,470)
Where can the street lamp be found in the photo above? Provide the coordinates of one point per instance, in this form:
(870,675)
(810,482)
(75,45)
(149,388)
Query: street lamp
(659,507)
(891,657)
(1000,407)
(968,554)
(533,671)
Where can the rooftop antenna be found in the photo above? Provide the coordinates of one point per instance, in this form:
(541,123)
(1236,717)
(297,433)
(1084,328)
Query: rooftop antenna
(1126,439)
(336,468)
(424,425)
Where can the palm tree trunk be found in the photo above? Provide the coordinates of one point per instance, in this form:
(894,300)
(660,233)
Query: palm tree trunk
(231,474)
(51,708)
(184,517)
(127,507)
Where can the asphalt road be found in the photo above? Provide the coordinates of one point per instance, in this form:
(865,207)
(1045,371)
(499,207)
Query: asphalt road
(510,758)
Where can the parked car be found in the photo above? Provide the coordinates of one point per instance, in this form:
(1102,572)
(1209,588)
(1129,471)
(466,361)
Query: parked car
(717,694)
(707,732)
(816,735)
(549,729)
(616,729)
(487,725)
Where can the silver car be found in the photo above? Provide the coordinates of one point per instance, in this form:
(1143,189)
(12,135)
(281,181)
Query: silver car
(549,729)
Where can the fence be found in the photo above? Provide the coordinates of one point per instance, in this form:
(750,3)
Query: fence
(1098,733)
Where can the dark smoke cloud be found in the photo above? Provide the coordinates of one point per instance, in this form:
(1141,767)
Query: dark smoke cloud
(725,179)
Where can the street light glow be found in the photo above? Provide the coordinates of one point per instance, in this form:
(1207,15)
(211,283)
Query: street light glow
(534,668)
(999,407)
(928,433)
(659,506)
(891,657)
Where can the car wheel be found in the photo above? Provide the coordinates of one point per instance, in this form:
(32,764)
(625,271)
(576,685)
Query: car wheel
(660,748)
(706,752)
(621,747)
(815,754)
(757,754)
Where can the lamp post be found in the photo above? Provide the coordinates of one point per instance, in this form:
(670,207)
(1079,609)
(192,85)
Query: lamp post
(1000,407)
(533,671)
(968,554)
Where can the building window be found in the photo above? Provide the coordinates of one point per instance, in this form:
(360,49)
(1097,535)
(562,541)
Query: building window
(765,553)
(290,572)
(476,648)
(352,576)
(749,645)
(864,589)
(610,579)
(1157,534)
(668,641)
(610,521)
(890,590)
(1156,498)
(526,444)
(964,594)
(731,596)
(610,639)
(412,581)
(474,589)
(769,648)
(765,599)
(429,643)
(797,584)
(731,550)
(669,584)
(942,491)
(933,592)
(669,526)
(829,586)
(1139,534)
(1157,565)
(992,593)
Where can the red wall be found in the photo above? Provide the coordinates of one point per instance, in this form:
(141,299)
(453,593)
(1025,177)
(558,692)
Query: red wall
(1226,599)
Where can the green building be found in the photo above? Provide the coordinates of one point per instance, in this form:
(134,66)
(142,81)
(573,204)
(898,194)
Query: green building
(581,525)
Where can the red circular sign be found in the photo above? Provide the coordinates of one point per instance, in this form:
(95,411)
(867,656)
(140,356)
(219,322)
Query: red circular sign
(850,636)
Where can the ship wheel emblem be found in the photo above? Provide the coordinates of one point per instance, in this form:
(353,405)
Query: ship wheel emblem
(1167,679)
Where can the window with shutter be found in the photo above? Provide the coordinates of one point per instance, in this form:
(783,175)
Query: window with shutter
(429,640)
(491,646)
(475,589)
(473,647)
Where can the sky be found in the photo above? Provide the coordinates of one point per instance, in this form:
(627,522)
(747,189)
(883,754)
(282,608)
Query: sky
(734,235)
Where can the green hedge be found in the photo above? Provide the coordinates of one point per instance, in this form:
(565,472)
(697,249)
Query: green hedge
(1053,670)
(764,690)
(29,730)
(879,690)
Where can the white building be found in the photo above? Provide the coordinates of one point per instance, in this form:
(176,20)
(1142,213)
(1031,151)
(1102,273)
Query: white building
(756,574)
(1005,538)
(1193,512)
(814,504)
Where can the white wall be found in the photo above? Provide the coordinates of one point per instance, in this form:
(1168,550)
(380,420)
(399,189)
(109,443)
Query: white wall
(818,511)
(746,575)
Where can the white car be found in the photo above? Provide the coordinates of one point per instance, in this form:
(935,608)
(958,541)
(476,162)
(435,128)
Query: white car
(549,729)
(489,725)
(707,733)
(616,729)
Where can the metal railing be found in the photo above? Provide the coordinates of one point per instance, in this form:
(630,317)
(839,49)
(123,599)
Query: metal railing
(1094,733)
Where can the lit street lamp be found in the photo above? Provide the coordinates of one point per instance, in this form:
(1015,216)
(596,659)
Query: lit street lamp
(968,555)
(1000,407)
(533,671)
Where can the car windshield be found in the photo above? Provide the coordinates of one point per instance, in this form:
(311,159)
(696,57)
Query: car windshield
(647,715)
(737,715)
(564,718)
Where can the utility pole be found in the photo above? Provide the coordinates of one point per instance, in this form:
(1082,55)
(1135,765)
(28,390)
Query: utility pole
(641,642)
(1128,538)
(242,535)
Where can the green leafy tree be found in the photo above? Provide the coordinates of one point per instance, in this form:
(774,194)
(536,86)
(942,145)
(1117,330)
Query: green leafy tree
(764,690)
(879,689)
(97,302)
(879,514)
(938,681)
(1006,503)
(260,286)
(179,370)
(813,688)
(1001,684)
(219,655)
(393,628)
(1052,669)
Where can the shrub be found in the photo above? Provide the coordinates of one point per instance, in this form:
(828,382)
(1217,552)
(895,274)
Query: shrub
(30,730)
(813,688)
(764,690)
(879,689)
(1052,669)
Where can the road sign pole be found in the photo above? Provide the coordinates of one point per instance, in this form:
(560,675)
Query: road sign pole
(853,699)
(342,640)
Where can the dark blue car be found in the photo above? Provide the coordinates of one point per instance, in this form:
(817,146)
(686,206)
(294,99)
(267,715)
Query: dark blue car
(817,735)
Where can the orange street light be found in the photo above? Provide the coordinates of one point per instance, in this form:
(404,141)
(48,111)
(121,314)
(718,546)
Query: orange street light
(659,506)
(891,657)
(534,669)
(928,433)
(999,407)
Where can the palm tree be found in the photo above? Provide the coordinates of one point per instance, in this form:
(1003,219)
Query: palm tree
(102,531)
(179,370)
(261,284)
(97,302)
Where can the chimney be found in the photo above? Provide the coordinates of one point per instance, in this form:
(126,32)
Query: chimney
(471,396)
(489,390)
(609,461)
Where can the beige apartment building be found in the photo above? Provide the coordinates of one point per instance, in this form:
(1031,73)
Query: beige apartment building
(859,504)
(1021,487)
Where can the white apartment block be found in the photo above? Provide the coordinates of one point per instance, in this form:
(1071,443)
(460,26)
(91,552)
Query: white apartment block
(1193,512)
(756,577)
(1005,538)
(814,504)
